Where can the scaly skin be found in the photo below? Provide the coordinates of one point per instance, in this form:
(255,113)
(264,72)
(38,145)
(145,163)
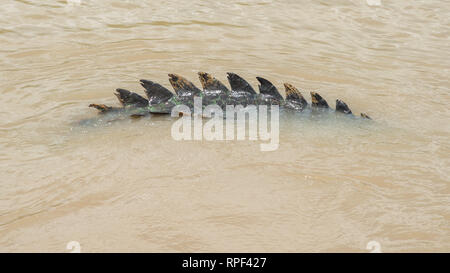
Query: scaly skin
(161,100)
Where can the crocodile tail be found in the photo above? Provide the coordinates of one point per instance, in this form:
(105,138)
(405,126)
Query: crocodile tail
(294,95)
(155,92)
(342,107)
(238,84)
(209,83)
(127,98)
(267,88)
(183,87)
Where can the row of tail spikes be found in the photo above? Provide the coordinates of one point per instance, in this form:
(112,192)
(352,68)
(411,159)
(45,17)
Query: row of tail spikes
(157,93)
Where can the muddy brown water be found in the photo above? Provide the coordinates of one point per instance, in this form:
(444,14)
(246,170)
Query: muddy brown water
(332,185)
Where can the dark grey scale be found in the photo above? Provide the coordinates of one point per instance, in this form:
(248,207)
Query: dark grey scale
(318,102)
(103,109)
(130,99)
(365,116)
(214,91)
(155,92)
(268,93)
(242,93)
(184,89)
(342,107)
(294,99)
(211,84)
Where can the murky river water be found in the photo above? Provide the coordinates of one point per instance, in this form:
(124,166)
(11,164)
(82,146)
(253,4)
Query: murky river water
(332,185)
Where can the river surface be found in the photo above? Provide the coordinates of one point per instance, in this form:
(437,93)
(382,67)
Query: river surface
(332,185)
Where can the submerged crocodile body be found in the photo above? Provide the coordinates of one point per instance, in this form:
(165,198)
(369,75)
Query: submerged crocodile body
(162,101)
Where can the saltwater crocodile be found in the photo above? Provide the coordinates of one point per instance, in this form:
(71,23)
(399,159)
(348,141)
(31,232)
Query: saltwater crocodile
(162,101)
